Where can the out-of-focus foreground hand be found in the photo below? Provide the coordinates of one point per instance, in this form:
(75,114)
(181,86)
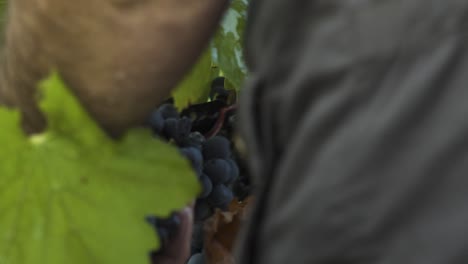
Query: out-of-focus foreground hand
(178,249)
(121,57)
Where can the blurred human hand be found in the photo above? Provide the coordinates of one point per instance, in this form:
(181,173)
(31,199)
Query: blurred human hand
(120,57)
(177,250)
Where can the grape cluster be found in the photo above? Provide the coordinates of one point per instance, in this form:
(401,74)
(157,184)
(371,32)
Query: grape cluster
(210,158)
(196,132)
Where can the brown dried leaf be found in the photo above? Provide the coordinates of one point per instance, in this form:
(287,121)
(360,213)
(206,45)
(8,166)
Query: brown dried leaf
(221,232)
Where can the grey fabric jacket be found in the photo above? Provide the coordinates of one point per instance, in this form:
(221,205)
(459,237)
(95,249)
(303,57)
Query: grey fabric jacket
(356,116)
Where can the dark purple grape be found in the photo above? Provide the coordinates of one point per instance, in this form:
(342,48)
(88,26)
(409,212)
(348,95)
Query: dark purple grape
(156,121)
(241,190)
(197,137)
(194,139)
(178,129)
(234,170)
(224,207)
(198,258)
(168,111)
(220,195)
(218,170)
(195,156)
(170,127)
(186,142)
(204,124)
(202,210)
(217,147)
(207,186)
(183,128)
(197,236)
(194,250)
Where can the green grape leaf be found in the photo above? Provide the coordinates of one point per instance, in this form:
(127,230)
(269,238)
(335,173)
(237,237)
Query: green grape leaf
(229,41)
(195,87)
(72,195)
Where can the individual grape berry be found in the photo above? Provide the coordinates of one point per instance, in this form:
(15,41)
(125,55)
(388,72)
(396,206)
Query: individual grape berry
(234,170)
(195,156)
(218,170)
(217,147)
(202,210)
(207,186)
(225,206)
(197,137)
(241,190)
(198,258)
(177,129)
(168,111)
(194,250)
(171,125)
(156,121)
(197,237)
(183,128)
(221,195)
(194,139)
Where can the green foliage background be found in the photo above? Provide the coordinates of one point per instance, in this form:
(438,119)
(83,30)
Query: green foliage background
(224,56)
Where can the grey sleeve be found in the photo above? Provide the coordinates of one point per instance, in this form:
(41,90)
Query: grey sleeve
(358,132)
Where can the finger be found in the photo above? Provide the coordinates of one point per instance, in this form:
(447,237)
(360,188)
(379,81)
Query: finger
(177,250)
(179,246)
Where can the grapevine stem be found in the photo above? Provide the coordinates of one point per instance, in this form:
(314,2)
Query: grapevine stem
(220,121)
